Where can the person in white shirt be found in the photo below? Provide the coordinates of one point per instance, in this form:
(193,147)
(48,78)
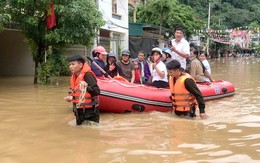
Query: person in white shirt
(158,69)
(203,58)
(180,47)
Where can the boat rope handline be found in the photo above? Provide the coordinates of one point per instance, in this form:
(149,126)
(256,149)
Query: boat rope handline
(125,85)
(130,86)
(135,99)
(83,90)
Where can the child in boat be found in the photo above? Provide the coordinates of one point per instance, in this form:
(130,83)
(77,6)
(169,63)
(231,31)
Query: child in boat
(84,91)
(111,68)
(138,76)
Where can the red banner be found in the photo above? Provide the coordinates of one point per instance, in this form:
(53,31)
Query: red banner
(50,16)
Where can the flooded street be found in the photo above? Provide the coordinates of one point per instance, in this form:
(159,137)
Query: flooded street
(37,125)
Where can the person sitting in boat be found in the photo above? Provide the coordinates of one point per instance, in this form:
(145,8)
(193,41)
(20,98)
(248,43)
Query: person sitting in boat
(125,68)
(138,76)
(197,69)
(185,92)
(203,57)
(166,55)
(143,66)
(158,69)
(84,91)
(111,68)
(100,53)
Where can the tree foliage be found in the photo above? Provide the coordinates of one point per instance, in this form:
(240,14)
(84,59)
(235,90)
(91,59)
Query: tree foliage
(227,13)
(4,17)
(77,23)
(169,14)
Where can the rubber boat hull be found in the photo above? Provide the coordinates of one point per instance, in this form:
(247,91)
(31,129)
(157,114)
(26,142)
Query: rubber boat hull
(119,96)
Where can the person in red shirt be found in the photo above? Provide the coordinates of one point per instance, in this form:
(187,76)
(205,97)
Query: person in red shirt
(137,72)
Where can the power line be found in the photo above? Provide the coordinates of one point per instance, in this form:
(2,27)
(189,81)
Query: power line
(112,23)
(123,7)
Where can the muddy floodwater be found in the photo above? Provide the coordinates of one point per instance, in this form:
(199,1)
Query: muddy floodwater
(37,126)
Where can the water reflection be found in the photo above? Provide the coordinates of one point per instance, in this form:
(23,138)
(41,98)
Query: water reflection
(38,126)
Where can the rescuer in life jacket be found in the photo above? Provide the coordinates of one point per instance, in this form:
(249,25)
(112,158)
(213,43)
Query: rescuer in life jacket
(84,91)
(185,92)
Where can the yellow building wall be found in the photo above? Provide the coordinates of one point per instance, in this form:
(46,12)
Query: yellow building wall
(15,56)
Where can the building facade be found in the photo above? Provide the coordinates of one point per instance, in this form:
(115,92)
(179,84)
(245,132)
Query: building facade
(114,34)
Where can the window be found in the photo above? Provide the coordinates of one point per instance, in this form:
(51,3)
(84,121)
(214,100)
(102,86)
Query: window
(114,6)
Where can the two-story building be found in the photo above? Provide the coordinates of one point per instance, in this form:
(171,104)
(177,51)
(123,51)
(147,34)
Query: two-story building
(114,34)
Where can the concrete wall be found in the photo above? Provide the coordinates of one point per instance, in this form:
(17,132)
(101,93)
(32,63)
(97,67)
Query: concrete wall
(15,56)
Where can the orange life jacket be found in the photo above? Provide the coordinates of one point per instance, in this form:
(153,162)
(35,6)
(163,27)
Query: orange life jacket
(75,89)
(182,99)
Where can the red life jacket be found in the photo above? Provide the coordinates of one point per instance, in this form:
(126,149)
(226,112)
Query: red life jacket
(182,99)
(88,101)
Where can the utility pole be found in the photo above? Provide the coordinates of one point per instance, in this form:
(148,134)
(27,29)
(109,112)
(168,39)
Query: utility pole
(208,29)
(134,14)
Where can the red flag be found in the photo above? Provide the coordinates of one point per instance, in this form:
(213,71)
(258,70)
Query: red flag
(50,16)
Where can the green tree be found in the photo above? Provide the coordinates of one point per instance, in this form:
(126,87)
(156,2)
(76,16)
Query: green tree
(4,17)
(168,14)
(226,13)
(237,18)
(77,22)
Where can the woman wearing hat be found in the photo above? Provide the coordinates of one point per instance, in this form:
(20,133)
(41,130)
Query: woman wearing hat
(100,53)
(158,69)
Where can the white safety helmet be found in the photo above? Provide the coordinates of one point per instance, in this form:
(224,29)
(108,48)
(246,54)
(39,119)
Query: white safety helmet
(157,50)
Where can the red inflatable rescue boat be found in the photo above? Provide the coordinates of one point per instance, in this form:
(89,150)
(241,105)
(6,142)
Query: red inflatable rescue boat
(120,96)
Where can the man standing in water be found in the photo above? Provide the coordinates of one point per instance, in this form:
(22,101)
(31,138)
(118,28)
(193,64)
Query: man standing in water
(184,92)
(84,91)
(180,47)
